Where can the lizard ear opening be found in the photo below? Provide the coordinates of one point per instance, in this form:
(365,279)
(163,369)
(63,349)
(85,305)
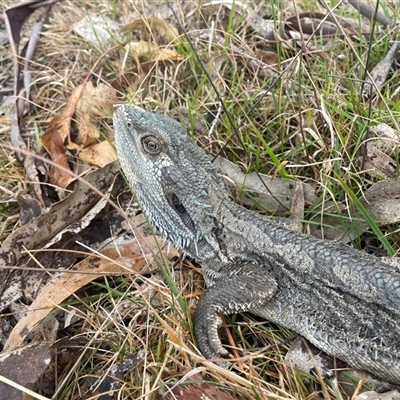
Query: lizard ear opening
(175,203)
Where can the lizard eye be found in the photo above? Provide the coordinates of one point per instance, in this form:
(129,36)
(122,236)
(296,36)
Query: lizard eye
(151,145)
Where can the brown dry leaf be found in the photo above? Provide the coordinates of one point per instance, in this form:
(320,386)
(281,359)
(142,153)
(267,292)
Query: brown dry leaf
(155,26)
(133,78)
(142,50)
(52,141)
(98,101)
(61,215)
(85,105)
(87,134)
(99,154)
(23,365)
(95,102)
(131,257)
(55,137)
(148,52)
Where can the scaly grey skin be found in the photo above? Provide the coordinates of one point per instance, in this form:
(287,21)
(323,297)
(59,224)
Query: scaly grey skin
(344,301)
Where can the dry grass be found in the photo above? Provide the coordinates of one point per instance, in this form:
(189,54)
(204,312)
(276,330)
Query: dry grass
(310,126)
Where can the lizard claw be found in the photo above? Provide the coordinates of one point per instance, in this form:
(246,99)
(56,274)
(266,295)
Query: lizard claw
(206,325)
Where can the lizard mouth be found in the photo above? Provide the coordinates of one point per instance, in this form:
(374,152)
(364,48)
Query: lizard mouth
(176,204)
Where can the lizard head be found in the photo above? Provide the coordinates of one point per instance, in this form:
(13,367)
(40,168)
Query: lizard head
(168,173)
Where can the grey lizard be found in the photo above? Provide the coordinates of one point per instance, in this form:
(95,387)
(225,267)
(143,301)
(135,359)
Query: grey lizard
(344,301)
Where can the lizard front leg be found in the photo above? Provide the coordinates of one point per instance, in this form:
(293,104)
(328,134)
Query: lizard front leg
(233,289)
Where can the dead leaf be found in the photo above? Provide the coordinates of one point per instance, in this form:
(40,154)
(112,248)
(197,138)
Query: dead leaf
(85,105)
(148,52)
(23,365)
(98,101)
(305,357)
(55,138)
(44,227)
(157,27)
(377,77)
(99,30)
(277,193)
(387,138)
(61,215)
(52,141)
(138,75)
(99,154)
(29,207)
(381,201)
(128,258)
(87,134)
(142,50)
(376,162)
(94,104)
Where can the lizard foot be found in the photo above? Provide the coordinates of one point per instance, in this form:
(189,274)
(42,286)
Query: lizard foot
(240,289)
(206,325)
